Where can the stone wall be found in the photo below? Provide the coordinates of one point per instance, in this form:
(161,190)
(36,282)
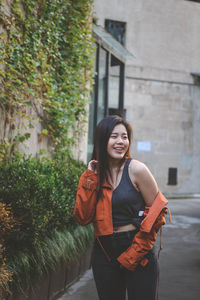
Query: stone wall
(21,121)
(167,116)
(162,34)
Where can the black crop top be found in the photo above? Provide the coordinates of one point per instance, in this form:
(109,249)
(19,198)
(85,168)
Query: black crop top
(127,203)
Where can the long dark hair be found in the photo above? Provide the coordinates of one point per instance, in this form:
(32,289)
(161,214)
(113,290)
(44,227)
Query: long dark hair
(101,137)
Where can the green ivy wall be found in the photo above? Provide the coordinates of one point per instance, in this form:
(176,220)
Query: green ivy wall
(46,62)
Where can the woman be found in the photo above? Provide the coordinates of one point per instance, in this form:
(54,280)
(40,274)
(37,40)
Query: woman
(120,196)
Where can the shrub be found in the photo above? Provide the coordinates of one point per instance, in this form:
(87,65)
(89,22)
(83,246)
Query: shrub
(5,274)
(41,194)
(7,224)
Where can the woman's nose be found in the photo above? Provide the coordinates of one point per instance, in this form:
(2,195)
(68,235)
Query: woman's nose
(120,140)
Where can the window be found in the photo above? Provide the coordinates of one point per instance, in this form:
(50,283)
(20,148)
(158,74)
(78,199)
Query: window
(108,90)
(117,29)
(172,176)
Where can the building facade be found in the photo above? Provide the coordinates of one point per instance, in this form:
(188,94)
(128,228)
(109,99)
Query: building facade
(162,86)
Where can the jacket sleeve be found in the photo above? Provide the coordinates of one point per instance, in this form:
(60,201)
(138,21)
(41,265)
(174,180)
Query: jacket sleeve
(145,238)
(84,209)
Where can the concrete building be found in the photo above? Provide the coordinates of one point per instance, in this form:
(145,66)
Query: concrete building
(162,85)
(155,84)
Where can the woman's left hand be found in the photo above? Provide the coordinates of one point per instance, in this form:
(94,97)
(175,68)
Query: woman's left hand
(93,165)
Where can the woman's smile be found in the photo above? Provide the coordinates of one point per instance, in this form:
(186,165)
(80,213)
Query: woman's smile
(118,149)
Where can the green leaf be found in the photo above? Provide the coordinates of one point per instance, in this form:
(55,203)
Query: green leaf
(44,132)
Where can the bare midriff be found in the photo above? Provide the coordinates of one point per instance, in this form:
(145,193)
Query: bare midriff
(124,228)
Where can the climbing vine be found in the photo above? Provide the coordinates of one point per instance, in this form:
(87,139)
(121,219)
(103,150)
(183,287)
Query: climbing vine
(46,62)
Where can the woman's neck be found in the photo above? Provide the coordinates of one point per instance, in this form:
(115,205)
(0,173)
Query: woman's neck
(115,167)
(115,164)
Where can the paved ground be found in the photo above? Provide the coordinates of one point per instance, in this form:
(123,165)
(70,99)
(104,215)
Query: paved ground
(180,258)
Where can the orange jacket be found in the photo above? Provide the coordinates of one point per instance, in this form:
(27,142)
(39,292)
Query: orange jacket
(87,210)
(143,242)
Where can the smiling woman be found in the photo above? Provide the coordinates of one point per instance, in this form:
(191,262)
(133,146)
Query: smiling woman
(120,196)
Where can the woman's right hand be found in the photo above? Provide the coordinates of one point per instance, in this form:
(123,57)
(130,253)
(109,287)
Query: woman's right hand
(93,165)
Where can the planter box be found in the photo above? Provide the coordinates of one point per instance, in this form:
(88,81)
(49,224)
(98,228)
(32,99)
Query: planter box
(56,282)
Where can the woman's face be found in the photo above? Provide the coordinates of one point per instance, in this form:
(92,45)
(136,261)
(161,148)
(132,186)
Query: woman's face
(118,142)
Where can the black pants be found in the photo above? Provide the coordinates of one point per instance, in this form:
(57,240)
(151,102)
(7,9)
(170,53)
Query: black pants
(112,281)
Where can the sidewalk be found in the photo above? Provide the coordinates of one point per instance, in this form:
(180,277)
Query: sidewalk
(84,289)
(179,259)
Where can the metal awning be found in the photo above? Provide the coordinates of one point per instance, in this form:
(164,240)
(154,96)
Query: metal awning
(107,41)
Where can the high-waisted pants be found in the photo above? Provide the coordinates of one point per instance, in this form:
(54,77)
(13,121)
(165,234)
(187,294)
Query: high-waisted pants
(112,281)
